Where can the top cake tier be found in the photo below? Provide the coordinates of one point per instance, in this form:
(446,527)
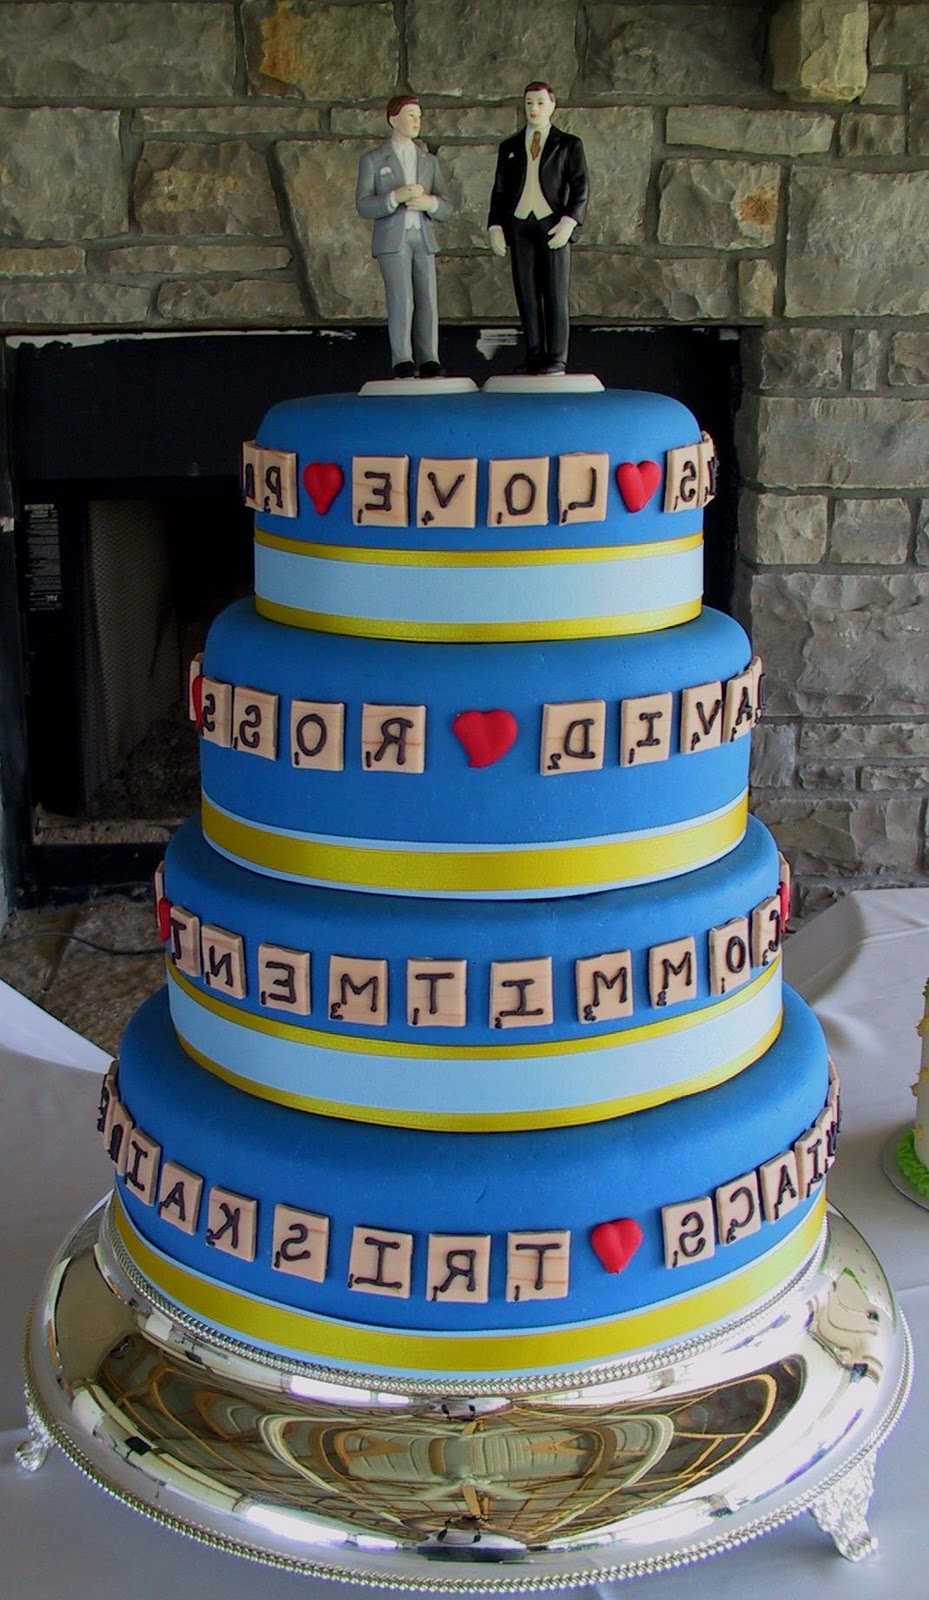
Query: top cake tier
(480,515)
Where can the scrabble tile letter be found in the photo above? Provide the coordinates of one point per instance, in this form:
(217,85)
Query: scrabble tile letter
(300,1243)
(393,738)
(672,972)
(358,991)
(284,979)
(436,994)
(604,986)
(317,735)
(521,993)
(573,737)
(446,493)
(458,1267)
(381,1262)
(583,481)
(380,496)
(537,1265)
(518,493)
(645,729)
(688,1232)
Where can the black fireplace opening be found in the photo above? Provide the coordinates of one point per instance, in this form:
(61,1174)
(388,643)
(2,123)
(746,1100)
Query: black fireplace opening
(130,537)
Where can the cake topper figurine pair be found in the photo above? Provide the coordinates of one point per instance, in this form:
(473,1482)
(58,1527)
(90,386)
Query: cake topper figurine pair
(539,197)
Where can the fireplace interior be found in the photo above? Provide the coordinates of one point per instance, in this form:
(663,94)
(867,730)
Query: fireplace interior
(130,536)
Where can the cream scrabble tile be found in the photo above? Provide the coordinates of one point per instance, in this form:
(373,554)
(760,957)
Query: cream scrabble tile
(701,717)
(730,956)
(518,492)
(381,1262)
(766,931)
(645,729)
(458,1267)
(446,492)
(317,735)
(254,722)
(194,686)
(810,1151)
(604,986)
(780,1185)
(521,993)
(232,1223)
(684,478)
(223,956)
(216,712)
(689,1233)
(583,484)
(300,1243)
(119,1129)
(284,979)
(573,737)
(380,491)
(537,1265)
(436,994)
(179,1194)
(672,971)
(184,941)
(739,711)
(269,479)
(142,1159)
(738,1208)
(393,739)
(358,990)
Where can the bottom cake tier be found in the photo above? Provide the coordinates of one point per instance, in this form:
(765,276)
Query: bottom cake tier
(415,1251)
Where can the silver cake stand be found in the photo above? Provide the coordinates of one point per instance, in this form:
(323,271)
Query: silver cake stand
(540,1483)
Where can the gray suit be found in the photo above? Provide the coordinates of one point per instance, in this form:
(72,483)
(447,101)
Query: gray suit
(406,256)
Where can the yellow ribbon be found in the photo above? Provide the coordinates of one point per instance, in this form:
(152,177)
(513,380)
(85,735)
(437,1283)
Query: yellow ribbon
(475,558)
(484,871)
(480,632)
(320,1338)
(477,1122)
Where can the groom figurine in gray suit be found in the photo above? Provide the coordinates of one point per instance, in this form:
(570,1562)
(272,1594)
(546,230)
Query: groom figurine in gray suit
(401,190)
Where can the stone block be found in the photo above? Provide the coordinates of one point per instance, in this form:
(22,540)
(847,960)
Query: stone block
(899,35)
(335,243)
(849,645)
(321,52)
(62,175)
(782,530)
(885,89)
(826,778)
(475,288)
(468,170)
(701,50)
(757,133)
(228,121)
(922,534)
(795,358)
(259,302)
(170,259)
(617,287)
(909,359)
(618,145)
(902,778)
(53,51)
(483,52)
(774,755)
(439,122)
(204,189)
(819,49)
(814,898)
(757,281)
(919,114)
(721,205)
(872,133)
(866,741)
(839,225)
(845,836)
(73,305)
(51,262)
(838,442)
(866,356)
(873,532)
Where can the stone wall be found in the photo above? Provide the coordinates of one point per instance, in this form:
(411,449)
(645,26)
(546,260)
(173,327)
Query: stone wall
(190,164)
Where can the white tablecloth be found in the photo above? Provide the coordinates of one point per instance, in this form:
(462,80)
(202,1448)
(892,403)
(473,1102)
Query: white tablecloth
(862,965)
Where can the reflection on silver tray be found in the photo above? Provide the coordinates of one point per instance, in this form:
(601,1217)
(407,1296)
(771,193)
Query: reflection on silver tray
(558,1481)
(892,1171)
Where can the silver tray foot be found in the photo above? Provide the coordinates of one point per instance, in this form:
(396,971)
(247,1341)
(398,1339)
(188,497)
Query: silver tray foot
(31,1454)
(842,1511)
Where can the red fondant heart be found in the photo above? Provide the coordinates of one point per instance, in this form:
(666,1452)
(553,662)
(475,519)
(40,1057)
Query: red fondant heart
(196,698)
(637,484)
(783,892)
(486,735)
(163,910)
(322,481)
(615,1243)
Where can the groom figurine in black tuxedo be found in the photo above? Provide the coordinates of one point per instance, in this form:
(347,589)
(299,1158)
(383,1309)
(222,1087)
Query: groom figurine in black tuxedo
(539,198)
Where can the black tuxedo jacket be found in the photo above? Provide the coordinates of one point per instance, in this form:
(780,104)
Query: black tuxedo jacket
(562,178)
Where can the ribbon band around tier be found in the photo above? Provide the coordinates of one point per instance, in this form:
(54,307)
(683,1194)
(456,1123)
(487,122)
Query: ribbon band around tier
(398,866)
(320,1338)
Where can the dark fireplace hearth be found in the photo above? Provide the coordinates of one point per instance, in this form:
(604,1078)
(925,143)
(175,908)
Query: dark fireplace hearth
(130,536)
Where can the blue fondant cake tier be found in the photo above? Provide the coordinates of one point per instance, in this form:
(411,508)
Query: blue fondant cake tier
(498,769)
(336,1239)
(480,516)
(422,1012)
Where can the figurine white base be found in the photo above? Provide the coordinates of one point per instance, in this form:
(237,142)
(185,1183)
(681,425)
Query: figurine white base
(606,1473)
